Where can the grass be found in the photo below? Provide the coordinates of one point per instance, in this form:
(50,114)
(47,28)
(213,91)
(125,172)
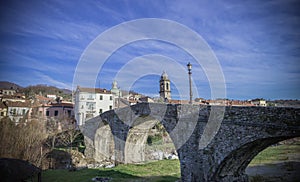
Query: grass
(165,170)
(279,153)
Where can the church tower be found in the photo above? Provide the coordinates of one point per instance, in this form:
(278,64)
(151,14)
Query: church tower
(165,87)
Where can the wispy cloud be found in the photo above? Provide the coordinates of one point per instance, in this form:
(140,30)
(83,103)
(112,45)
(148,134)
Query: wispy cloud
(43,78)
(255,42)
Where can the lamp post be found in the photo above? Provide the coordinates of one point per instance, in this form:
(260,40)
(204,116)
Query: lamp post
(119,97)
(189,66)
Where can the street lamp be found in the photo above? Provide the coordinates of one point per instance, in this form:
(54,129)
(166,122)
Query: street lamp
(119,97)
(189,66)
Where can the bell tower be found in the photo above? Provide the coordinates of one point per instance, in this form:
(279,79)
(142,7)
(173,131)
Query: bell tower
(165,87)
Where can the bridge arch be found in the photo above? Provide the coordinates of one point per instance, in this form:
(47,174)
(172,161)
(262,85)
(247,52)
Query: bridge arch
(234,165)
(104,143)
(137,139)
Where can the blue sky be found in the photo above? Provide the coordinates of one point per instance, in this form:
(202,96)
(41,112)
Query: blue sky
(255,42)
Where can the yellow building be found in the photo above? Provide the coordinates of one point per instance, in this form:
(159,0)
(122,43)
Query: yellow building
(259,102)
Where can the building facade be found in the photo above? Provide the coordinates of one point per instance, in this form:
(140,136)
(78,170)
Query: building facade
(259,102)
(18,111)
(90,102)
(3,110)
(7,91)
(165,87)
(60,111)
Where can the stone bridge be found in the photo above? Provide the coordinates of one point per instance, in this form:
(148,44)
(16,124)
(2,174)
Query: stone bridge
(207,152)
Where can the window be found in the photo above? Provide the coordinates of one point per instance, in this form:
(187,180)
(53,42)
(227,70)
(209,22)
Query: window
(82,107)
(101,97)
(91,97)
(47,113)
(110,98)
(88,116)
(56,113)
(110,107)
(2,113)
(100,111)
(91,105)
(23,112)
(69,113)
(167,86)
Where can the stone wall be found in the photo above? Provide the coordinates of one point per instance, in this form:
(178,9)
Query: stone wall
(232,143)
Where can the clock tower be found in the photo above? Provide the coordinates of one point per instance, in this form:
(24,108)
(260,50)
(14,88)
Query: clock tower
(165,87)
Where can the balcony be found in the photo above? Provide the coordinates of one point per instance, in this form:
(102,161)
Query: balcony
(90,112)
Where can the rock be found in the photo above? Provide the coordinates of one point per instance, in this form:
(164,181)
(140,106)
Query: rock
(110,166)
(98,165)
(93,166)
(166,156)
(172,157)
(101,179)
(159,155)
(89,166)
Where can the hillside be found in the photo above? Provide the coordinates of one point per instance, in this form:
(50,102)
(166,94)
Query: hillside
(46,90)
(9,85)
(42,89)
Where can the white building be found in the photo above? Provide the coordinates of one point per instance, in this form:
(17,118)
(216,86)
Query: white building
(17,111)
(259,102)
(51,96)
(90,102)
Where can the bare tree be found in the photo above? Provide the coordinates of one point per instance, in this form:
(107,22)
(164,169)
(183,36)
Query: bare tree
(68,137)
(52,127)
(23,140)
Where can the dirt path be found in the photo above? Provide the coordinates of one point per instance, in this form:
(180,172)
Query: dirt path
(276,172)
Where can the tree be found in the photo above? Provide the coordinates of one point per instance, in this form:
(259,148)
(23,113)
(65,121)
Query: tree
(68,137)
(23,140)
(62,134)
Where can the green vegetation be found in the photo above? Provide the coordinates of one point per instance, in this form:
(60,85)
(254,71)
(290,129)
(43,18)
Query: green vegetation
(277,153)
(44,90)
(165,170)
(154,139)
(165,147)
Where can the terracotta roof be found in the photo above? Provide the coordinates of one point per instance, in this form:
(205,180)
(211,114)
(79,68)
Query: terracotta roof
(178,101)
(132,101)
(2,105)
(94,90)
(19,97)
(18,104)
(62,105)
(42,98)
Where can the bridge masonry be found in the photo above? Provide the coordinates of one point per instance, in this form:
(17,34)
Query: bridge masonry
(121,135)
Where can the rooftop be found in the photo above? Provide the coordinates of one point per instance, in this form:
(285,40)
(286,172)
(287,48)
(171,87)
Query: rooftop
(93,90)
(18,104)
(2,105)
